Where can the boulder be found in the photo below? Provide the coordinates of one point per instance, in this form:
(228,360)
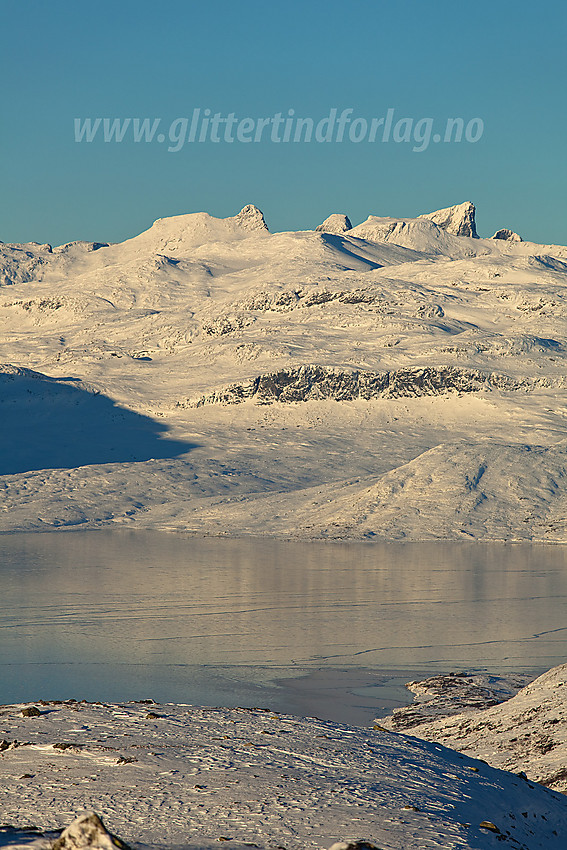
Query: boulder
(88,831)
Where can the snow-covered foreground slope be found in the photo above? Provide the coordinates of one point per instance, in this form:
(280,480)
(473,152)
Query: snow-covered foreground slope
(397,379)
(172,775)
(525,733)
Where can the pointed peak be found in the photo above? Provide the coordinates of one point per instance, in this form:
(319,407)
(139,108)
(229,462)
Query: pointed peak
(250,218)
(335,223)
(458,220)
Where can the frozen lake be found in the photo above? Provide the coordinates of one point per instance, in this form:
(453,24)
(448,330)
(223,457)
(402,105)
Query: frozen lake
(310,628)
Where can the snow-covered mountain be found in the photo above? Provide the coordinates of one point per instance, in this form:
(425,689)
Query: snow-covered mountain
(459,219)
(401,378)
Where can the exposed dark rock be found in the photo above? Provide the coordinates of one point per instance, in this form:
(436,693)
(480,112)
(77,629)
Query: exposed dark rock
(31,711)
(357,843)
(80,245)
(314,383)
(227,324)
(288,299)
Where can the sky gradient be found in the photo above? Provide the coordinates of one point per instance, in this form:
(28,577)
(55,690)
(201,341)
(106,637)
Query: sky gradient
(502,62)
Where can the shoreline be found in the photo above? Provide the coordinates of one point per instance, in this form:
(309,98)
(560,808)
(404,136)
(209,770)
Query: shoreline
(120,526)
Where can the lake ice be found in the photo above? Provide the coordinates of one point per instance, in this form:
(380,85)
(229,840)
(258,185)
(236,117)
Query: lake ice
(308,628)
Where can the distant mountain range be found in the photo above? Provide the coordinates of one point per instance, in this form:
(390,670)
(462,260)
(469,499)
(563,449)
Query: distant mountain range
(399,379)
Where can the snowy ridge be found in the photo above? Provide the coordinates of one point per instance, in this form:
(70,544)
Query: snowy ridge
(14,372)
(448,694)
(174,775)
(177,234)
(454,491)
(421,234)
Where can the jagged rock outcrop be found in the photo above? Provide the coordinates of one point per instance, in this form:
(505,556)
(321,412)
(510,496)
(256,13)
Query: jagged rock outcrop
(507,235)
(249,218)
(221,325)
(335,223)
(314,383)
(87,832)
(288,299)
(458,220)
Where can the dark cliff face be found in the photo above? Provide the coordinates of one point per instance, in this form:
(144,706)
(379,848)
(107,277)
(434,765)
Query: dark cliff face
(312,383)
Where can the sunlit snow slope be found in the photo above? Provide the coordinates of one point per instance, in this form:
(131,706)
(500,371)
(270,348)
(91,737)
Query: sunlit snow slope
(182,777)
(402,378)
(527,733)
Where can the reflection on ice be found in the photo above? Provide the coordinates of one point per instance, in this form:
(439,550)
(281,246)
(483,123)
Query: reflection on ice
(307,628)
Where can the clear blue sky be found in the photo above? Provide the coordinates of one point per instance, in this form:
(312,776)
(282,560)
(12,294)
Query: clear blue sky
(504,62)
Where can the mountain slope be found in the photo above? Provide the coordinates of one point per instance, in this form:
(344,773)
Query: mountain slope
(527,732)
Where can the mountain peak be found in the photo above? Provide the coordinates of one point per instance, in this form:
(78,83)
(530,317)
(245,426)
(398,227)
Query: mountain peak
(250,218)
(458,220)
(335,223)
(176,235)
(507,235)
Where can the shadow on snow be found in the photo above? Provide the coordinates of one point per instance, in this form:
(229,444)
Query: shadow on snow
(47,423)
